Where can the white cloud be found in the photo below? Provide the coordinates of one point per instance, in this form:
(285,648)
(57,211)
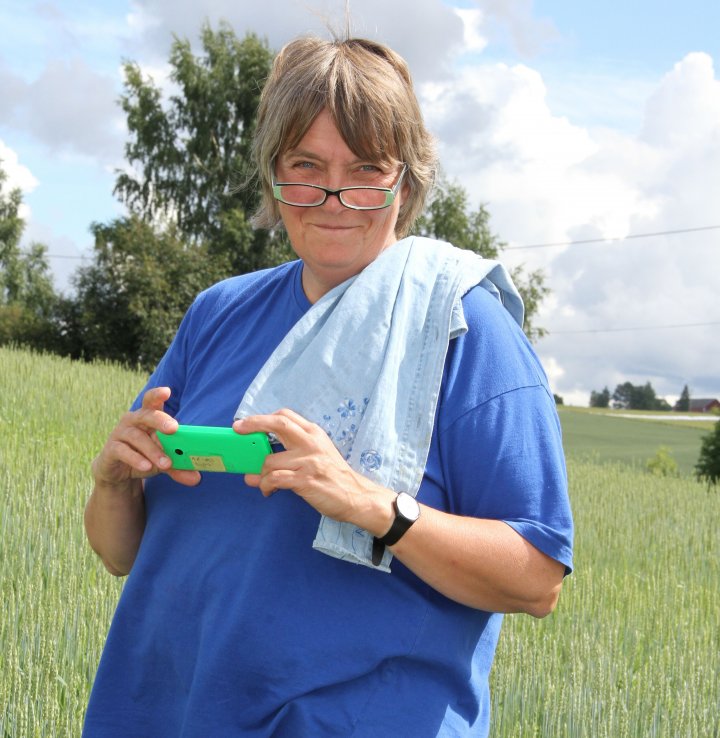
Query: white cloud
(546,179)
(549,163)
(17,174)
(425,32)
(685,109)
(473,38)
(516,18)
(71,108)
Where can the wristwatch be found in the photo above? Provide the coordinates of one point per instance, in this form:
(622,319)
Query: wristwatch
(407,511)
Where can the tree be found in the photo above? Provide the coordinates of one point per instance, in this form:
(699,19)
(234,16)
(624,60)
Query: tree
(188,224)
(189,155)
(662,464)
(189,158)
(622,397)
(27,297)
(628,396)
(683,403)
(11,229)
(600,399)
(131,299)
(708,464)
(449,217)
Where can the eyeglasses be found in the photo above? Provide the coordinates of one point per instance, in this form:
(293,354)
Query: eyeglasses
(355,198)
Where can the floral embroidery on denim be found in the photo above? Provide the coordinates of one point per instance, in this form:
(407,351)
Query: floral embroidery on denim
(370,460)
(342,429)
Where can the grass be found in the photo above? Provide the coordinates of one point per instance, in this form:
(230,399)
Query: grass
(606,436)
(56,601)
(632,649)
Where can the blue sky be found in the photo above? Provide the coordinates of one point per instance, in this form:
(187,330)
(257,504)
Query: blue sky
(569,120)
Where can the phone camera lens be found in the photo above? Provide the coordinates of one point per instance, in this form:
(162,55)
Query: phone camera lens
(179,451)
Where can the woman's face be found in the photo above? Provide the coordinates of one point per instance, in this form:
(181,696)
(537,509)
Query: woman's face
(335,242)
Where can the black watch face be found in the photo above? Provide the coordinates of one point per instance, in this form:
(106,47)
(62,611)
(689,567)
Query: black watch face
(408,506)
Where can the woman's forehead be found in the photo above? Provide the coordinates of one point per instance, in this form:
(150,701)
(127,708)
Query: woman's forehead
(324,140)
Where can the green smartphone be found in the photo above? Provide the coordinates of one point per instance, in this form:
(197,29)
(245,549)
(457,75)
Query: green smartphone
(209,448)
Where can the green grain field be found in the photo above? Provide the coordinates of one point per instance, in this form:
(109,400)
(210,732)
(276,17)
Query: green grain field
(632,437)
(632,649)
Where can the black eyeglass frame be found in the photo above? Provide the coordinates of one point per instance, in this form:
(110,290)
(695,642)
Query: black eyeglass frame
(390,193)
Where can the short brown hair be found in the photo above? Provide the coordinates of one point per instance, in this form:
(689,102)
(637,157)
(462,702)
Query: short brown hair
(368,91)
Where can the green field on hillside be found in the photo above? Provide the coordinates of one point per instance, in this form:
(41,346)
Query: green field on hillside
(631,651)
(610,437)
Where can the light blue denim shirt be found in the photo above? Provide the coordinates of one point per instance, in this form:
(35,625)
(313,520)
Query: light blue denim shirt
(366,363)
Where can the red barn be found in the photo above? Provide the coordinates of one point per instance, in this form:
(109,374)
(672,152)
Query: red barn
(705,405)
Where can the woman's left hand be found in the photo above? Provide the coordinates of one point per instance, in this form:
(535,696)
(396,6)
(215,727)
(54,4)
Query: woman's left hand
(313,468)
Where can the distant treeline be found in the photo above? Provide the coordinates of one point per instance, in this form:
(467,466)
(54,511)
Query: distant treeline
(629,396)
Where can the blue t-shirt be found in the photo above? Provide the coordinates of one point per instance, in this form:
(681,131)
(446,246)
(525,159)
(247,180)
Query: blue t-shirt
(231,624)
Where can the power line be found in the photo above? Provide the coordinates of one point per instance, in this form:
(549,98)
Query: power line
(614,238)
(636,328)
(610,239)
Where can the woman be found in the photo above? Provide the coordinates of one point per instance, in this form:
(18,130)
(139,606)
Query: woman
(233,620)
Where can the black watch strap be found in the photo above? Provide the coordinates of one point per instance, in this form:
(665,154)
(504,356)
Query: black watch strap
(399,527)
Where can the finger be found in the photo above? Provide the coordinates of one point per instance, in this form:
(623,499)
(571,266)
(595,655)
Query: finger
(151,420)
(270,482)
(275,480)
(151,413)
(300,420)
(156,397)
(185,476)
(252,480)
(120,453)
(289,428)
(139,441)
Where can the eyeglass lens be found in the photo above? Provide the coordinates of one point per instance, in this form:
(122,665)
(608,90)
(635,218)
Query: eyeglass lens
(298,194)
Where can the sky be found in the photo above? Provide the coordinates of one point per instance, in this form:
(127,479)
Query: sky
(590,132)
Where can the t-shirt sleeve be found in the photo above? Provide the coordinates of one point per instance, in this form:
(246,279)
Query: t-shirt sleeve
(500,437)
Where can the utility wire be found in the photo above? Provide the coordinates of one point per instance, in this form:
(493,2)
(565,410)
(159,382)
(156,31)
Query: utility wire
(637,328)
(574,243)
(610,239)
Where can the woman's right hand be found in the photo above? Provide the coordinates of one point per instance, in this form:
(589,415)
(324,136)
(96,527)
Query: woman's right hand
(132,450)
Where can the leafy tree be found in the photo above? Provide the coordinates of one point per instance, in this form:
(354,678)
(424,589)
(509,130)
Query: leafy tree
(683,403)
(189,203)
(662,464)
(188,223)
(189,155)
(11,229)
(622,397)
(708,464)
(600,399)
(27,296)
(628,396)
(449,217)
(131,299)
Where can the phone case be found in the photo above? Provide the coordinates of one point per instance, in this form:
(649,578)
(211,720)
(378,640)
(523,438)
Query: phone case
(208,448)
